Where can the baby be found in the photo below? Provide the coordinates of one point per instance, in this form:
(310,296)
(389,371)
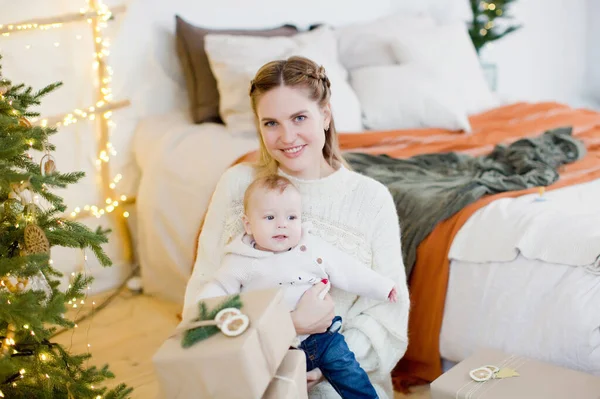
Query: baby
(277,249)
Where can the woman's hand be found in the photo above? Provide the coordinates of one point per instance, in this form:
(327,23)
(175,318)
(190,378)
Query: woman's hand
(313,377)
(313,315)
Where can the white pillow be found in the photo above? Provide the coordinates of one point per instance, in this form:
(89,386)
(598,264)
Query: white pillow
(447,52)
(368,43)
(405,97)
(235,60)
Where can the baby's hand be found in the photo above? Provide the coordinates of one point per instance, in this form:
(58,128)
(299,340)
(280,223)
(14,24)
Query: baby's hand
(393,296)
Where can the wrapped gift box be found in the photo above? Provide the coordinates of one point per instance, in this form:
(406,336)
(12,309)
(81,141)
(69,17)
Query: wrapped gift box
(229,367)
(535,380)
(292,384)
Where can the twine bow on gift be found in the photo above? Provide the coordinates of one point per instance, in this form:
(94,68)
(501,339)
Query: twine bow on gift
(210,323)
(485,377)
(230,321)
(488,372)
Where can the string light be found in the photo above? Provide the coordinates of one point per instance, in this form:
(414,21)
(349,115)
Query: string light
(97,14)
(8,29)
(58,22)
(98,212)
(77,114)
(489,25)
(107,150)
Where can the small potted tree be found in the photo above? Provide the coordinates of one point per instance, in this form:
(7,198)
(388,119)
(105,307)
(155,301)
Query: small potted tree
(490,22)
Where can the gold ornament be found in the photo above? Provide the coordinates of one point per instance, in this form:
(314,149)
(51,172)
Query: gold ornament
(37,282)
(47,165)
(35,240)
(24,122)
(19,190)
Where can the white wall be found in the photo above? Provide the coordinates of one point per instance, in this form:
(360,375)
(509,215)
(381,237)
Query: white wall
(32,58)
(545,60)
(593,50)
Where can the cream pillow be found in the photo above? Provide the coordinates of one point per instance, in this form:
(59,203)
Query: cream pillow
(234,61)
(448,54)
(404,97)
(367,43)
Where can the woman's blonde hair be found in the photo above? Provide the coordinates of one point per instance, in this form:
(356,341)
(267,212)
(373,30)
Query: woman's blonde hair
(299,72)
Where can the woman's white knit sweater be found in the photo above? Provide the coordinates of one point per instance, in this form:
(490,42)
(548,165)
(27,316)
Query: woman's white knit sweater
(353,212)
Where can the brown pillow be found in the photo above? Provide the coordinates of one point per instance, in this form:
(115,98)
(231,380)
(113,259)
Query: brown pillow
(201,84)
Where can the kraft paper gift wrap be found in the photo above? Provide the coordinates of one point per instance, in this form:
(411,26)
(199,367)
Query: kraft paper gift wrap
(293,383)
(229,367)
(536,380)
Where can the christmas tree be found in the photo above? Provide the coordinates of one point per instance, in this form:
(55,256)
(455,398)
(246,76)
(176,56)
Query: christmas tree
(32,304)
(484,27)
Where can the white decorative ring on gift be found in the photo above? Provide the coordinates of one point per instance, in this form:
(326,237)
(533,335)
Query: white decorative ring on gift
(481,374)
(235,325)
(225,314)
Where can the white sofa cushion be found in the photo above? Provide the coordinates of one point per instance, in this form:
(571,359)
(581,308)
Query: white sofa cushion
(368,43)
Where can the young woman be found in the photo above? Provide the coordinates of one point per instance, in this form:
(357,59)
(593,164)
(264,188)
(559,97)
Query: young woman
(290,99)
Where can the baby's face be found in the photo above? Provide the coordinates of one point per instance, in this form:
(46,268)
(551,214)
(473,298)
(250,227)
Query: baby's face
(274,219)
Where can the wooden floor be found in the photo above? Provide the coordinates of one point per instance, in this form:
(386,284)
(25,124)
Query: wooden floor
(126,334)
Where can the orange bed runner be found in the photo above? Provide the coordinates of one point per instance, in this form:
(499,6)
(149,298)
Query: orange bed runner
(429,279)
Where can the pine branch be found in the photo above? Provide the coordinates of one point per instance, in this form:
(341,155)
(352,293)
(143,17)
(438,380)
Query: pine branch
(191,337)
(78,285)
(76,235)
(22,97)
(23,266)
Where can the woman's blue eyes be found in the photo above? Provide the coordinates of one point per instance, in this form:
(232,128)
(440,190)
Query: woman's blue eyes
(299,118)
(270,217)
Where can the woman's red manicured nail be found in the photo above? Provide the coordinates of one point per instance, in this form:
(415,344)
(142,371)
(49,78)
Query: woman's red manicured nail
(324,281)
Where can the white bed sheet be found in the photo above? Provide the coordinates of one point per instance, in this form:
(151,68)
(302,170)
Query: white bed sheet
(521,280)
(563,229)
(180,164)
(550,312)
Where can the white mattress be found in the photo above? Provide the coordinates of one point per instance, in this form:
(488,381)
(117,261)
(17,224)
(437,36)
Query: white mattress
(550,312)
(522,280)
(180,164)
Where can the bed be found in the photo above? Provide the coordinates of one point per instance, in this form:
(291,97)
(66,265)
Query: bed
(463,297)
(513,295)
